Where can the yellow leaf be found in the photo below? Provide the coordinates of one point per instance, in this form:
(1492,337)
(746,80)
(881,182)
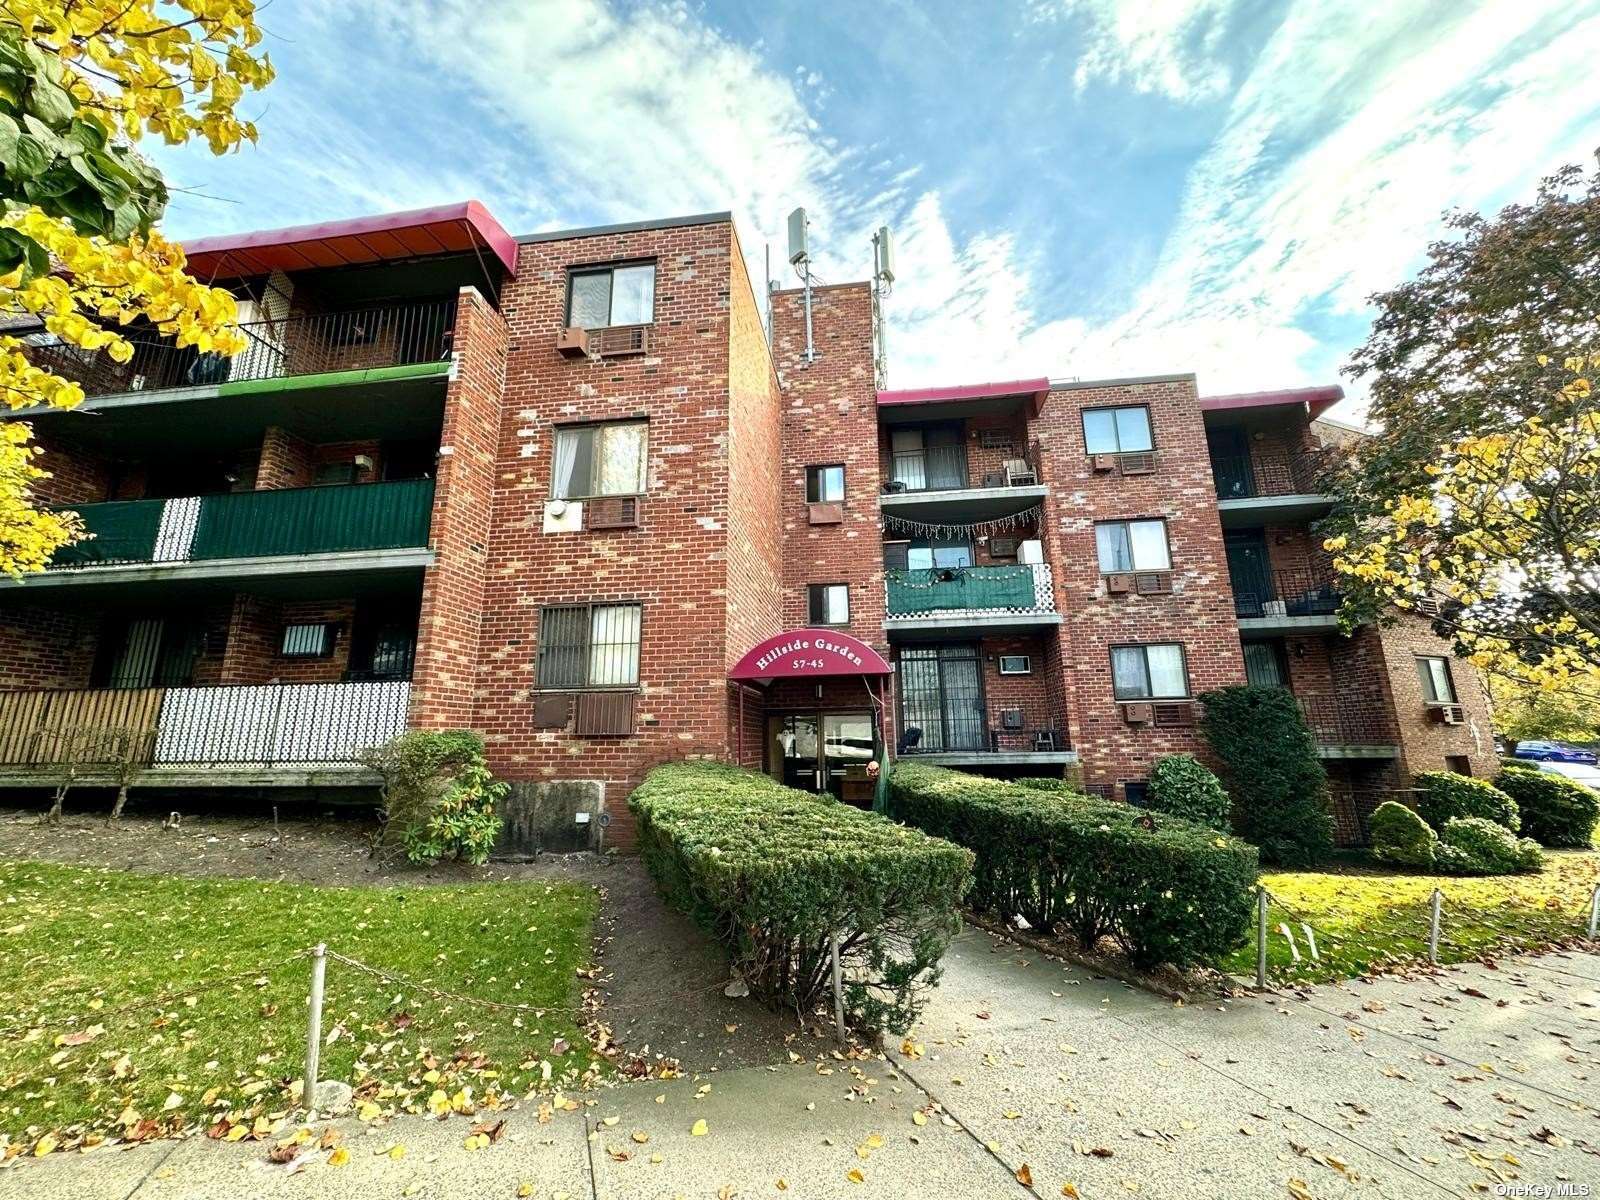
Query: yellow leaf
(339,1157)
(699,1128)
(44,1146)
(396,1152)
(1299,1190)
(367,1110)
(854,1175)
(1070,1192)
(919,1117)
(524,1190)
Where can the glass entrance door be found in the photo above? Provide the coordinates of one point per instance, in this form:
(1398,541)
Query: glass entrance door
(795,752)
(824,752)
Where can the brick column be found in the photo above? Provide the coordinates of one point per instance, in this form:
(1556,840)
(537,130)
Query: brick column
(442,682)
(287,461)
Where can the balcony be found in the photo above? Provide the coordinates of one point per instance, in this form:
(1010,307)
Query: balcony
(394,342)
(234,534)
(268,735)
(945,599)
(1271,488)
(1346,733)
(1284,600)
(934,484)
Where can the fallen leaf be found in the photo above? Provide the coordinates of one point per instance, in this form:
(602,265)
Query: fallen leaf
(339,1157)
(854,1175)
(44,1145)
(699,1128)
(1070,1192)
(1025,1176)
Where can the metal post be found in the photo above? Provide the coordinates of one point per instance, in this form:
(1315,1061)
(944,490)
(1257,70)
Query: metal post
(1261,938)
(1594,912)
(319,972)
(838,986)
(1433,926)
(811,352)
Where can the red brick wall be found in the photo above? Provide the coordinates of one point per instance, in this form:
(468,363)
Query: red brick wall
(45,647)
(830,416)
(1423,743)
(76,476)
(1199,614)
(255,637)
(286,461)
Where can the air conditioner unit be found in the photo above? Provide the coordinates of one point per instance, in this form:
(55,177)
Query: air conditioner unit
(1030,551)
(1143,463)
(1447,714)
(1002,546)
(573,342)
(1011,718)
(611,512)
(1173,716)
(1138,714)
(1104,462)
(1119,584)
(1153,583)
(825,512)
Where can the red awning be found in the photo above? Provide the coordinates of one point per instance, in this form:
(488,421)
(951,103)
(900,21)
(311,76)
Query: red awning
(1033,391)
(804,653)
(1315,400)
(449,229)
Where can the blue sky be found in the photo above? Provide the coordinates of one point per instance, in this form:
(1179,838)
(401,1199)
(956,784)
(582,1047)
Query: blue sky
(1078,187)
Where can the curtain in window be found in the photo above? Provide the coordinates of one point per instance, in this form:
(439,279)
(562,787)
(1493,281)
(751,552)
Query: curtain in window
(1116,551)
(633,295)
(1100,431)
(567,481)
(590,304)
(1166,671)
(622,460)
(1128,680)
(1149,545)
(614,645)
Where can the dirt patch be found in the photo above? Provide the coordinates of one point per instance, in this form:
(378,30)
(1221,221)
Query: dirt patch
(661,979)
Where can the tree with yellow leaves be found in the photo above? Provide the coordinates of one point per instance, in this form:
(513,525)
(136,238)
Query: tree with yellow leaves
(80,259)
(1503,547)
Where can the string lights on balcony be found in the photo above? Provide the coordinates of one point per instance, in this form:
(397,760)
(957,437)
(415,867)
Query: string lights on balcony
(969,529)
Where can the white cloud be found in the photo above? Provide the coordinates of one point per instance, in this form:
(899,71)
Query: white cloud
(1166,47)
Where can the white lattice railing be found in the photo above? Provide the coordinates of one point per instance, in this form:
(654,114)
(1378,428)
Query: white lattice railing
(269,724)
(1020,589)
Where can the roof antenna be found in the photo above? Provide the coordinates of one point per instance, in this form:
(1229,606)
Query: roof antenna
(800,256)
(882,286)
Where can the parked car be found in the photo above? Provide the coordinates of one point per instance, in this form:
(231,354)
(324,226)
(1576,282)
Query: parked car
(1555,752)
(1583,773)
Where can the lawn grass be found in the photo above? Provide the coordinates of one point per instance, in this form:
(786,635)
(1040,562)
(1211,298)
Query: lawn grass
(1372,918)
(80,946)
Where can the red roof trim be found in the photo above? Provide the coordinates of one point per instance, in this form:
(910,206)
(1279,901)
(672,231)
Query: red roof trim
(1316,399)
(450,227)
(808,653)
(1034,389)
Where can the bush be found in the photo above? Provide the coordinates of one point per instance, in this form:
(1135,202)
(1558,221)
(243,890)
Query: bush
(1400,836)
(1182,786)
(438,796)
(1555,811)
(1446,796)
(1271,770)
(1167,890)
(1040,783)
(1477,846)
(772,873)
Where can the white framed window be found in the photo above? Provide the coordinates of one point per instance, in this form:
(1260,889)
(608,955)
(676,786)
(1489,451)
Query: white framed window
(1153,672)
(1016,664)
(1437,685)
(600,460)
(828,604)
(601,296)
(1132,546)
(589,646)
(1123,430)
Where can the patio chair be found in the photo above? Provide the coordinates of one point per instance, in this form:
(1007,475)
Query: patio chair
(1019,473)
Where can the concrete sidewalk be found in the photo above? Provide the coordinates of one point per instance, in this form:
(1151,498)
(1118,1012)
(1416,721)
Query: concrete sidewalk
(1442,1085)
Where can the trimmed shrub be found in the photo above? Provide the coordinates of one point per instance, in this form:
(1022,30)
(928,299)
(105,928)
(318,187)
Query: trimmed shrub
(439,799)
(1041,783)
(1400,836)
(1556,811)
(1446,796)
(1488,847)
(1166,889)
(772,873)
(1182,786)
(1271,771)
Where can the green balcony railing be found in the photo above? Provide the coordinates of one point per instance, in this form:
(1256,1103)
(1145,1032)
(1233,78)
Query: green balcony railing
(264,524)
(1022,588)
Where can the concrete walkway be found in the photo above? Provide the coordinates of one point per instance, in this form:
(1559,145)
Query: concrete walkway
(1445,1085)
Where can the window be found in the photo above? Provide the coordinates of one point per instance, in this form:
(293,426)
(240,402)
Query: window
(307,641)
(1016,664)
(1117,430)
(334,473)
(1264,665)
(1458,764)
(600,460)
(824,485)
(1132,546)
(829,604)
(612,296)
(1149,672)
(1437,687)
(923,554)
(589,646)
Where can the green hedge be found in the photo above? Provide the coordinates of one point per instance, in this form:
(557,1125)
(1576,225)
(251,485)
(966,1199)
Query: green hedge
(1182,786)
(772,872)
(1271,771)
(1555,810)
(1166,889)
(1478,846)
(1444,796)
(1401,837)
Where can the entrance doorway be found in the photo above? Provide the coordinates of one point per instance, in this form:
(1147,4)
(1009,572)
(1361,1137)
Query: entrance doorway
(824,752)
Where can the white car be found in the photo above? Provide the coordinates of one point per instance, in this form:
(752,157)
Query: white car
(1582,773)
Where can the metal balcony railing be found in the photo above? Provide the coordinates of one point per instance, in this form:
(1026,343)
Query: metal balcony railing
(1284,592)
(249,725)
(942,591)
(307,344)
(1345,724)
(1271,473)
(277,522)
(937,468)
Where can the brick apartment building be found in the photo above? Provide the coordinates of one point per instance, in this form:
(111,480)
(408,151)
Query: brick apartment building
(561,490)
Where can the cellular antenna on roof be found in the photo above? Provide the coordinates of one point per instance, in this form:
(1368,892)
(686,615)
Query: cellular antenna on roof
(882,286)
(800,258)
